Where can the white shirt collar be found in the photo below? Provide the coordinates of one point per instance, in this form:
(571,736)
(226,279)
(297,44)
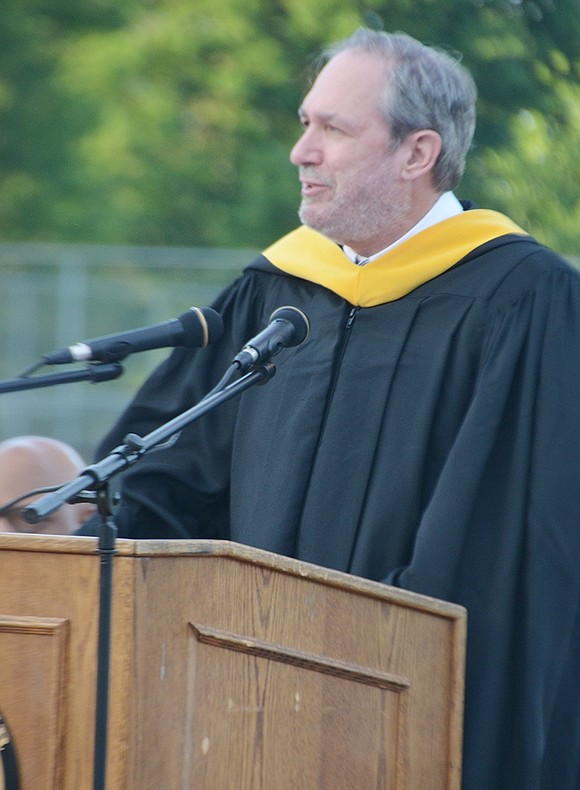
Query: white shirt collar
(445,206)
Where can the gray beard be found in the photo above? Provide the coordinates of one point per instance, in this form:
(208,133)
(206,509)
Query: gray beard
(347,223)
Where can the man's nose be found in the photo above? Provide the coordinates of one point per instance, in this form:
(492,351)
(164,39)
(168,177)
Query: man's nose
(307,150)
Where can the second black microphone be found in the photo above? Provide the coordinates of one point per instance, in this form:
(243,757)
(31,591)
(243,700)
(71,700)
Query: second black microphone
(197,327)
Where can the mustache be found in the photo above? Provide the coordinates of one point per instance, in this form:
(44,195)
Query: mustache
(312,174)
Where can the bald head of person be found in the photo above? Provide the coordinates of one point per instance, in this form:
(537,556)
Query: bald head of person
(32,462)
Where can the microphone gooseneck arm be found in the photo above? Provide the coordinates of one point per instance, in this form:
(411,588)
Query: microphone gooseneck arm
(288,326)
(135,447)
(93,373)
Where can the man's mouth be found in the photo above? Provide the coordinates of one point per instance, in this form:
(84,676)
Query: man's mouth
(312,186)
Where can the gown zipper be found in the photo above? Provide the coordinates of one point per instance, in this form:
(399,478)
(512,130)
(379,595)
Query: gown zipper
(350,319)
(352,313)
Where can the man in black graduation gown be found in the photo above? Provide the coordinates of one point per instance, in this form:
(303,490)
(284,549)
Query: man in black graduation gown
(427,432)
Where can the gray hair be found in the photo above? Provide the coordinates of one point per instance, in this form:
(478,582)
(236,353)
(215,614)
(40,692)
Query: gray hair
(426,88)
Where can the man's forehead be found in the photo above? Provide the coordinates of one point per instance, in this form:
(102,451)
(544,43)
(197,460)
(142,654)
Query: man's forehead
(348,81)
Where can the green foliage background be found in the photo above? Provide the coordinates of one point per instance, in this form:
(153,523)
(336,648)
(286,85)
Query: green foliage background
(168,122)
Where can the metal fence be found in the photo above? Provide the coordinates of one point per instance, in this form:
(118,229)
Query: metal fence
(54,295)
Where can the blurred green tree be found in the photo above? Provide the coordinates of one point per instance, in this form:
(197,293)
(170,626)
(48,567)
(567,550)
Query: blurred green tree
(170,121)
(38,121)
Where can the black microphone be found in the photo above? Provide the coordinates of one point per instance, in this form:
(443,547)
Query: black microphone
(288,326)
(196,328)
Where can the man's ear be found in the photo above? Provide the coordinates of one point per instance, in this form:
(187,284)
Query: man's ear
(422,149)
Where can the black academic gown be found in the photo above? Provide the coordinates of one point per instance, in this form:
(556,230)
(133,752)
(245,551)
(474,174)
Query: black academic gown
(430,441)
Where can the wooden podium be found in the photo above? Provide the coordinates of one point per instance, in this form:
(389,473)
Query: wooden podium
(230,669)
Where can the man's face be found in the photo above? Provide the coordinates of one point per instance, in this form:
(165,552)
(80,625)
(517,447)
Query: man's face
(348,166)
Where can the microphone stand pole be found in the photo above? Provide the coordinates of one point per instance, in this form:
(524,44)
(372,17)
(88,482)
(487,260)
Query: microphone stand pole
(97,477)
(106,549)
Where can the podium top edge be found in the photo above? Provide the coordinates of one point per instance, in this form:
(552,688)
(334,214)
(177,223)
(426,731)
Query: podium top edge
(141,549)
